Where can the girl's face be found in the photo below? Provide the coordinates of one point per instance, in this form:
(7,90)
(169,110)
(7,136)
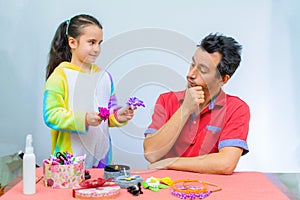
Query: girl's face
(86,48)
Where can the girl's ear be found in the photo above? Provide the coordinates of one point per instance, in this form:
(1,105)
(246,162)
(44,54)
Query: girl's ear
(72,42)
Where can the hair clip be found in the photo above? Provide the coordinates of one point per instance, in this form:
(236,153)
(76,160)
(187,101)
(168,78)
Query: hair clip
(153,184)
(135,189)
(62,159)
(87,174)
(68,23)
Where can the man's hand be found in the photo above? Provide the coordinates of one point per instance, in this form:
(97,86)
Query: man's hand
(194,96)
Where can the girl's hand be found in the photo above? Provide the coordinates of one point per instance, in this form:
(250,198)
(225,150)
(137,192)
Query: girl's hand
(92,119)
(124,114)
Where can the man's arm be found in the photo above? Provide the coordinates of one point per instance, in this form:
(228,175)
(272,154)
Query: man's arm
(223,162)
(159,144)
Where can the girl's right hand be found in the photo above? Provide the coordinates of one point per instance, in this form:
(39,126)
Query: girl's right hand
(92,119)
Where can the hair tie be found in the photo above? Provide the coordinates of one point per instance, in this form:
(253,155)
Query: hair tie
(68,22)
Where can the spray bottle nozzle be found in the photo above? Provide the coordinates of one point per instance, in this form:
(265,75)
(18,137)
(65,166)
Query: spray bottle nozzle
(29,148)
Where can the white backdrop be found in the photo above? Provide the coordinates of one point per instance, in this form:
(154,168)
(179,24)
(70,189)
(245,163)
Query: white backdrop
(147,48)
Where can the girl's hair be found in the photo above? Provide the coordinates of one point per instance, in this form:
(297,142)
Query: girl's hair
(60,50)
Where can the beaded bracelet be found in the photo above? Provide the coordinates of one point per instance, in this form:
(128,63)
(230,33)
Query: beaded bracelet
(191,191)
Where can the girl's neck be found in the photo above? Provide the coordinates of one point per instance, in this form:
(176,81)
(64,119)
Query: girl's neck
(87,67)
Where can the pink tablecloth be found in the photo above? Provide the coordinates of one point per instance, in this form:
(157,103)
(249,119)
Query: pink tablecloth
(240,185)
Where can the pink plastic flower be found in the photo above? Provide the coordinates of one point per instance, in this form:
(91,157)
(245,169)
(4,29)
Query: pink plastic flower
(103,113)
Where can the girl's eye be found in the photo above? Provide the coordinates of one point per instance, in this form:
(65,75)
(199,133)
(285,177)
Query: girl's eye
(193,64)
(92,42)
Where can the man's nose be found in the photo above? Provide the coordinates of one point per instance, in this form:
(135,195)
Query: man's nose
(193,72)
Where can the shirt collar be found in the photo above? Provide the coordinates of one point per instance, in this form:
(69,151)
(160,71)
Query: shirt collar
(94,67)
(218,101)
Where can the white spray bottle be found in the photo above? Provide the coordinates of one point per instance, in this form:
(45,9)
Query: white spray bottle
(29,168)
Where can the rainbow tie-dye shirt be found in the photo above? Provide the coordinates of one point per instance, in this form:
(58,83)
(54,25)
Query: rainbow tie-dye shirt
(69,93)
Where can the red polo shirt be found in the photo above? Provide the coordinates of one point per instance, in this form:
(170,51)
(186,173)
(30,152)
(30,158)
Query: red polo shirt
(225,122)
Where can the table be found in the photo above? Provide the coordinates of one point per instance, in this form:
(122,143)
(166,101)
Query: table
(240,185)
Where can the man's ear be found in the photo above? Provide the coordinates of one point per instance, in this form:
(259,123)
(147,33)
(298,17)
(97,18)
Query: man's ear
(72,42)
(225,79)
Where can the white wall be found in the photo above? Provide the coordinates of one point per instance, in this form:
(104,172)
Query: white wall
(147,48)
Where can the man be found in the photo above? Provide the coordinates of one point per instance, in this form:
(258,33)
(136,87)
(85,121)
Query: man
(201,129)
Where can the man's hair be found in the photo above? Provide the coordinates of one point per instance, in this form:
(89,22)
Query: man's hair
(227,47)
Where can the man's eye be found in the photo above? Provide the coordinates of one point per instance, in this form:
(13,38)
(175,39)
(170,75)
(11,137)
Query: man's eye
(203,70)
(193,64)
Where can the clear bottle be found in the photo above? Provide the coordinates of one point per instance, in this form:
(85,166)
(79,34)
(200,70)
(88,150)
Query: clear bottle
(29,185)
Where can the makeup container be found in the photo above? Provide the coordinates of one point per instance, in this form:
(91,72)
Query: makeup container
(113,171)
(128,180)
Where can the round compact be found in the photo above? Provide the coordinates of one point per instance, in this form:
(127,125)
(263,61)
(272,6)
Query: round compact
(126,181)
(113,171)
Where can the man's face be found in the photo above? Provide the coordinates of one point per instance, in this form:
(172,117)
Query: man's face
(203,72)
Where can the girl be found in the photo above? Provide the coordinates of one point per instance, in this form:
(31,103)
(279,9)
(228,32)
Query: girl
(75,88)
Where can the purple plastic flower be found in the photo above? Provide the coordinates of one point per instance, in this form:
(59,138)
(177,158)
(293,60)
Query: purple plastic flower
(69,158)
(133,102)
(103,113)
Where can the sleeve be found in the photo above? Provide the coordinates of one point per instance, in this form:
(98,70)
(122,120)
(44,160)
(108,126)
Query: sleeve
(113,106)
(113,122)
(235,131)
(56,114)
(159,116)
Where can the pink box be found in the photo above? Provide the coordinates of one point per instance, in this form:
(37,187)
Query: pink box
(63,176)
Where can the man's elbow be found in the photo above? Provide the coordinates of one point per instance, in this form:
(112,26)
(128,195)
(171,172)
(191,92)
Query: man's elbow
(150,157)
(148,153)
(152,153)
(227,169)
(226,172)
